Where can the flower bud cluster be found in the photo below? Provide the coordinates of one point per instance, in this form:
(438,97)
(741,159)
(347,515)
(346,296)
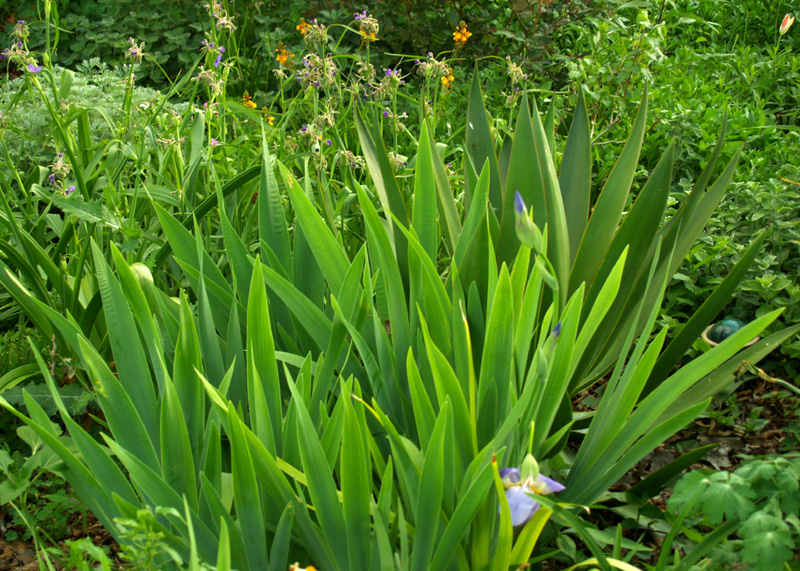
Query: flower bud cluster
(18,52)
(397,161)
(135,51)
(352,160)
(222,21)
(368,27)
(389,84)
(517,75)
(432,67)
(315,34)
(317,72)
(397,125)
(212,48)
(58,172)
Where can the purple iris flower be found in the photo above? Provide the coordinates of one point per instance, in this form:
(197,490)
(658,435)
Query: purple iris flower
(218,60)
(519,493)
(519,204)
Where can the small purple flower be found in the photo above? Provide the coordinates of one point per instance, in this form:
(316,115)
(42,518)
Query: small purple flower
(70,189)
(557,330)
(34,68)
(328,142)
(52,178)
(304,128)
(519,205)
(214,142)
(222,49)
(519,492)
(218,60)
(385,113)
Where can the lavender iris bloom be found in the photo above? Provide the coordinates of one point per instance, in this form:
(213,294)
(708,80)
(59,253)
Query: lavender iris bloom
(519,492)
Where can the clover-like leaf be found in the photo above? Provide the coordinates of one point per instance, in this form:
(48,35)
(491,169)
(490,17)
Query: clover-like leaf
(729,496)
(767,541)
(688,488)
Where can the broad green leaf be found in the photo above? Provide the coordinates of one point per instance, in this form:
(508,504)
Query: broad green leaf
(272,224)
(429,496)
(424,214)
(185,249)
(356,484)
(143,314)
(321,486)
(448,211)
(390,275)
(328,252)
(177,462)
(188,362)
(480,148)
(575,176)
(247,497)
(608,208)
(558,244)
(131,362)
(497,356)
(120,412)
(262,368)
(524,176)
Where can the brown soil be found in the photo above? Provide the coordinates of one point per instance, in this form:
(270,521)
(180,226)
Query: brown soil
(20,555)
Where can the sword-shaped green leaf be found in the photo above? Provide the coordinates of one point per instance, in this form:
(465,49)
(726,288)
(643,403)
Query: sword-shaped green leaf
(575,176)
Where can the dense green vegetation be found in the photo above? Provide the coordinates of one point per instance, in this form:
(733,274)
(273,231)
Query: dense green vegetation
(409,287)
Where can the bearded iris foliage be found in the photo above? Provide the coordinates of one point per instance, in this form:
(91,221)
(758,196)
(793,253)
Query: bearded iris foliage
(352,409)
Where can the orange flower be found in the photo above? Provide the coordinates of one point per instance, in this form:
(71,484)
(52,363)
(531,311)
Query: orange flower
(461,35)
(284,55)
(786,24)
(303,26)
(447,81)
(248,101)
(271,120)
(367,38)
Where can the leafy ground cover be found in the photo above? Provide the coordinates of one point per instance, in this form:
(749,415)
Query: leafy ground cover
(317,301)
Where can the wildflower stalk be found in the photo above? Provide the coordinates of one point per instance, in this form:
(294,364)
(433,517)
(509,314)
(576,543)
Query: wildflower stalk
(65,135)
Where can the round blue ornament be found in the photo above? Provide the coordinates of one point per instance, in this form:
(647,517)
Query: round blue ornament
(724,329)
